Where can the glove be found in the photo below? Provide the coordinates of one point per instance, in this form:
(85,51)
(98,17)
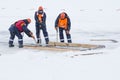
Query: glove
(31,33)
(56,28)
(41,23)
(67,31)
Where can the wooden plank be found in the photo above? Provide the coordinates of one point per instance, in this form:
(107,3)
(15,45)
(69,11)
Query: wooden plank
(89,46)
(57,44)
(54,49)
(60,44)
(73,45)
(48,48)
(82,45)
(51,43)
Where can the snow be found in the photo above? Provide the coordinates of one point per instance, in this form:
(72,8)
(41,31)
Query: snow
(91,19)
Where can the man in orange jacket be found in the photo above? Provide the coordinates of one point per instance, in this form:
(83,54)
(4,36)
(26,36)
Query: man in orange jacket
(63,23)
(40,24)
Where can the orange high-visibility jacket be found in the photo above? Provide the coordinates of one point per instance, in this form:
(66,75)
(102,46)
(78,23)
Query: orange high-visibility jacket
(63,23)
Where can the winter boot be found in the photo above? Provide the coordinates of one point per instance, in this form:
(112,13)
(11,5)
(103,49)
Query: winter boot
(20,46)
(39,41)
(69,41)
(11,45)
(47,40)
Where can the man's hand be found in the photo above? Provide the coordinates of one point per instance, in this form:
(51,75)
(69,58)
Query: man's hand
(56,28)
(67,31)
(31,33)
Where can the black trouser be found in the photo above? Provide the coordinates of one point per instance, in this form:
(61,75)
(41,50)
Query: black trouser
(13,31)
(45,33)
(61,35)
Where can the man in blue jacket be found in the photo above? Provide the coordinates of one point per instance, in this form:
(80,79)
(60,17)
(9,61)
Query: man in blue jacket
(16,29)
(40,23)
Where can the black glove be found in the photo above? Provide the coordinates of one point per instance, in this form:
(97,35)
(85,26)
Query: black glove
(56,28)
(42,24)
(67,31)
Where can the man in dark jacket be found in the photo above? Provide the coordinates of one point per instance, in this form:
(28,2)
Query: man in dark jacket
(63,23)
(40,23)
(16,29)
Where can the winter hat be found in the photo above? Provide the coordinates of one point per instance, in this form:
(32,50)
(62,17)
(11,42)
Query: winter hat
(40,8)
(62,15)
(29,20)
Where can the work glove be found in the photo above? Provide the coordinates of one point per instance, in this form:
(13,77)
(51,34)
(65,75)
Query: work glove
(41,23)
(56,28)
(67,31)
(32,35)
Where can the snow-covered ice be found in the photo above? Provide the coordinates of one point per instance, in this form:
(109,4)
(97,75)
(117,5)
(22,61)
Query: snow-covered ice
(91,19)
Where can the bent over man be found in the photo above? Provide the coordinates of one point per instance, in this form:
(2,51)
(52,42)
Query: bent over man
(16,29)
(63,23)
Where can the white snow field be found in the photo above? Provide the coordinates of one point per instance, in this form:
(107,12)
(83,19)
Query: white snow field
(91,19)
